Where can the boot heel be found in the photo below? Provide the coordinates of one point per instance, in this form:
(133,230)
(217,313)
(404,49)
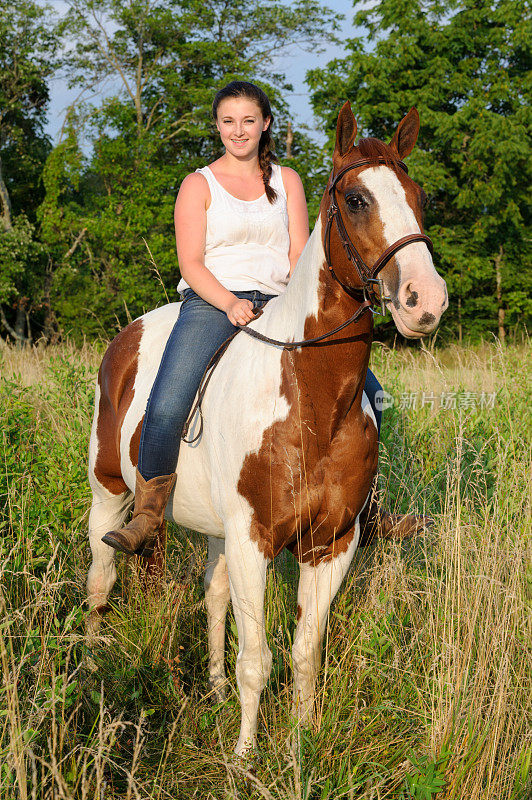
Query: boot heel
(139,536)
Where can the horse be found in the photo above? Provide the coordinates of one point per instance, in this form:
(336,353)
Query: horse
(288,451)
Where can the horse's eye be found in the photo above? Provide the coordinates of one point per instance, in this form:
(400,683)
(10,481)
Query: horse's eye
(356,202)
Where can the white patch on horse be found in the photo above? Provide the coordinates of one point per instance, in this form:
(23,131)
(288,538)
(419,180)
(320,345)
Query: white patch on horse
(93,441)
(398,218)
(258,385)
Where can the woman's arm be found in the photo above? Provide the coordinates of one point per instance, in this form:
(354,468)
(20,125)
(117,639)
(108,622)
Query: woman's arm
(297,214)
(190,219)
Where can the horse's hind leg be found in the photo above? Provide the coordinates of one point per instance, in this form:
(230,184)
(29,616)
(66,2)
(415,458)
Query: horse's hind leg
(317,588)
(216,603)
(107,512)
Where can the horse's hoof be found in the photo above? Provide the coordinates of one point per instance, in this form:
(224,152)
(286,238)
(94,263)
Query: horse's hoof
(248,761)
(218,691)
(404,526)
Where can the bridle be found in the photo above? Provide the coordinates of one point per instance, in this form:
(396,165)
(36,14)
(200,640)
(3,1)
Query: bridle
(368,275)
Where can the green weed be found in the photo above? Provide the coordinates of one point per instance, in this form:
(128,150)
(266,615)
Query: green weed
(425,686)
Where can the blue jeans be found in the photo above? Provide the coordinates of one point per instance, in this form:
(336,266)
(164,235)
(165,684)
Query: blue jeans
(199,331)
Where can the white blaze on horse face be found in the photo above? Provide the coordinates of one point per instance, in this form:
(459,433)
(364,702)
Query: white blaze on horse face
(421,296)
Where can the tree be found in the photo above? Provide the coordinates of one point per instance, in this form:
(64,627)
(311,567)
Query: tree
(465,64)
(162,61)
(27,47)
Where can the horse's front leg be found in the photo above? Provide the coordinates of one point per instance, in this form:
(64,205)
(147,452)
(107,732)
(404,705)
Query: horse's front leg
(216,603)
(317,588)
(247,579)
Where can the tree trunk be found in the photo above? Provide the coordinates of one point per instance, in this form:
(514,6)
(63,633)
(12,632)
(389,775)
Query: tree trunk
(50,329)
(500,309)
(20,324)
(289,139)
(6,202)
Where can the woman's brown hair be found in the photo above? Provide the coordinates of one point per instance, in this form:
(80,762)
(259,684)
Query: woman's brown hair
(266,144)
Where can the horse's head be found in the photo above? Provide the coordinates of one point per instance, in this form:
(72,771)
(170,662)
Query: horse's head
(371,206)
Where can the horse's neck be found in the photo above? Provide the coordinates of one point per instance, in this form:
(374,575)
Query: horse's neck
(287,316)
(306,309)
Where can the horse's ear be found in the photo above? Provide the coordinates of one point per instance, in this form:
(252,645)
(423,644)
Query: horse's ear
(346,130)
(405,137)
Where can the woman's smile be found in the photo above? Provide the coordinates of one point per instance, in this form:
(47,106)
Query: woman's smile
(241,124)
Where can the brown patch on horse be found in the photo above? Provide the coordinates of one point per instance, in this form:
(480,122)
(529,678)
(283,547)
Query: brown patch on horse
(116,379)
(134,444)
(298,612)
(374,148)
(310,478)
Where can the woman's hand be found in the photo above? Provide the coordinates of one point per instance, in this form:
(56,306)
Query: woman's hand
(240,312)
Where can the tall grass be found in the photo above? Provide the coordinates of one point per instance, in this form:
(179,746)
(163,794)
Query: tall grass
(426,682)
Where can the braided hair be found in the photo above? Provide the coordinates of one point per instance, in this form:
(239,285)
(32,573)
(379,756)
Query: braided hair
(266,144)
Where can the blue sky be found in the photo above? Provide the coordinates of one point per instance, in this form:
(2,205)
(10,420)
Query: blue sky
(294,65)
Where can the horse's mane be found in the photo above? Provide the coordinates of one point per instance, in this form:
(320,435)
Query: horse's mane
(374,148)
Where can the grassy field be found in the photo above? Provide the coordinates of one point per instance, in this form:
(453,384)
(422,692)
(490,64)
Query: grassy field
(426,682)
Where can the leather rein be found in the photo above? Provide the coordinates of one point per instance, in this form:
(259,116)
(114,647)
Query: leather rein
(368,278)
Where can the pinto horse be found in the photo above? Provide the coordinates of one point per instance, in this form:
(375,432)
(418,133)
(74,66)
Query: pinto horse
(289,446)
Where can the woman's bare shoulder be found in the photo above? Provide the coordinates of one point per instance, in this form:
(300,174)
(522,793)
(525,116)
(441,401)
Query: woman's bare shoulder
(290,177)
(193,181)
(292,183)
(194,189)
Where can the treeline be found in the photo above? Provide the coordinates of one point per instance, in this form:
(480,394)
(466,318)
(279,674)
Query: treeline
(86,234)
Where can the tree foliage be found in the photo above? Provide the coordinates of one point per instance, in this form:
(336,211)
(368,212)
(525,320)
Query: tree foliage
(87,239)
(465,64)
(27,59)
(161,62)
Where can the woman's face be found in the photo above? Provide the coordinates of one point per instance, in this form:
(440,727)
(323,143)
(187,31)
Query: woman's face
(240,123)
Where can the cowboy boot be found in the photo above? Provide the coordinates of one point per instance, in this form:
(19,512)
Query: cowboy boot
(376,523)
(139,535)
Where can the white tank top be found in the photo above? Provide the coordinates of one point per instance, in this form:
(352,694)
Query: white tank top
(247,241)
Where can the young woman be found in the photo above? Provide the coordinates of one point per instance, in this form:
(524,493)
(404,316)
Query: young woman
(241,224)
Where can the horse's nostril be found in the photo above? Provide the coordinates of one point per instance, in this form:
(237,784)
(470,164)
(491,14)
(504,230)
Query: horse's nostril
(411,301)
(427,319)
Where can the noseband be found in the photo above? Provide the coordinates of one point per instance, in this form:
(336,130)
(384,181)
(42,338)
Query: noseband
(368,275)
